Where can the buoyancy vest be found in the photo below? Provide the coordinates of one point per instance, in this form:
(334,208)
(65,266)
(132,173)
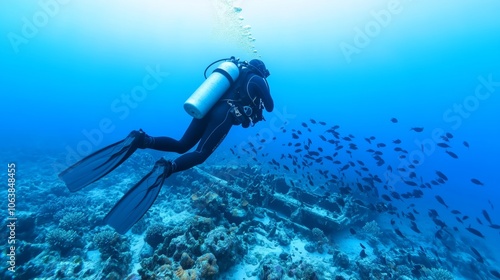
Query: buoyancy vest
(246,106)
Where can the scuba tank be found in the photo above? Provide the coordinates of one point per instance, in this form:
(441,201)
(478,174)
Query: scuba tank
(212,89)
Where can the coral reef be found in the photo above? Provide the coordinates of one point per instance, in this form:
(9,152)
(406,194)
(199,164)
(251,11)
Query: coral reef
(438,274)
(73,221)
(182,244)
(114,250)
(63,240)
(206,265)
(320,239)
(371,229)
(225,246)
(271,269)
(303,270)
(340,259)
(154,234)
(186,274)
(403,270)
(186,261)
(155,267)
(236,219)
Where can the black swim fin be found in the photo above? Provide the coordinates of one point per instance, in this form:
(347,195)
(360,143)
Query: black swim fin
(97,165)
(137,201)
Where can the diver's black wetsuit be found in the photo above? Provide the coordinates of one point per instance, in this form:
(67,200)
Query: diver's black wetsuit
(211,129)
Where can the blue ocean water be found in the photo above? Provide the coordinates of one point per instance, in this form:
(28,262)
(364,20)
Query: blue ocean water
(74,80)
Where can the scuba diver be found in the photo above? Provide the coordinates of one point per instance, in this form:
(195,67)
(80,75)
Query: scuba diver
(234,94)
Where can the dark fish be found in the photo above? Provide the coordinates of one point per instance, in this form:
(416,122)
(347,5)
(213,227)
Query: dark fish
(466,144)
(479,221)
(465,218)
(362,246)
(449,135)
(493,226)
(455,212)
(438,235)
(396,195)
(397,141)
(393,222)
(477,182)
(414,227)
(394,120)
(495,273)
(304,124)
(452,154)
(479,257)
(345,190)
(352,231)
(322,123)
(345,167)
(368,140)
(491,205)
(441,175)
(433,213)
(312,121)
(410,216)
(443,145)
(313,153)
(363,254)
(417,193)
(398,232)
(487,216)
(295,136)
(386,197)
(475,232)
(406,195)
(440,200)
(439,223)
(417,129)
(410,183)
